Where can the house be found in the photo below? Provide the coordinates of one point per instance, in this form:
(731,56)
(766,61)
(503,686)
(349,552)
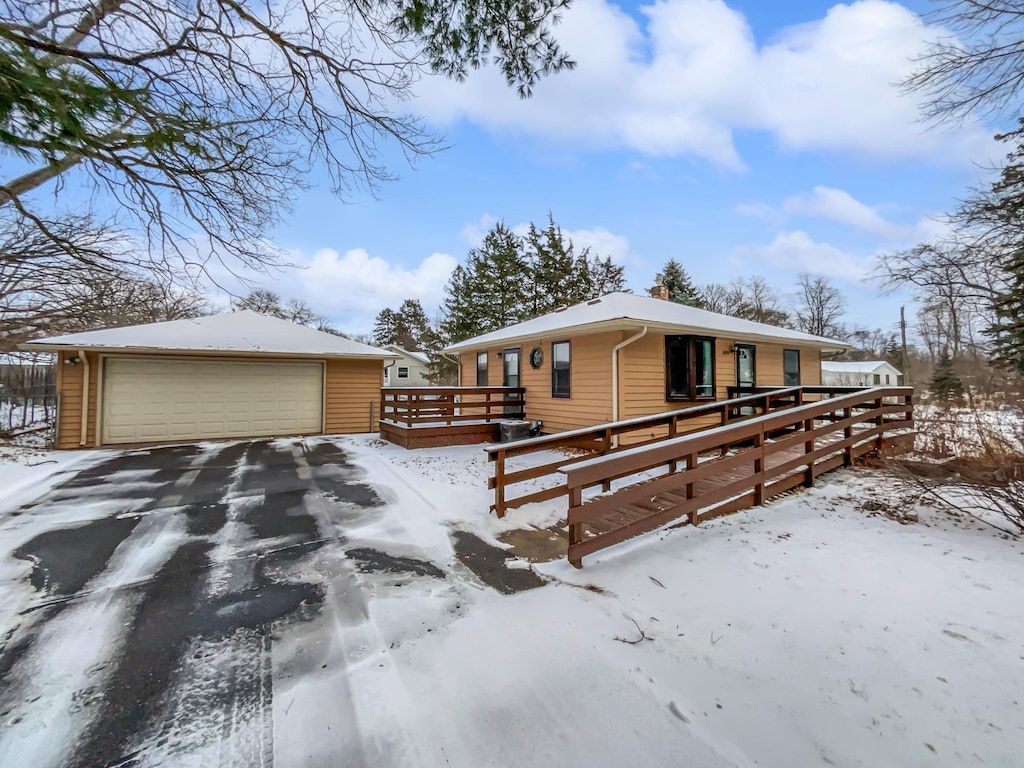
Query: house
(411,369)
(623,355)
(868,373)
(239,374)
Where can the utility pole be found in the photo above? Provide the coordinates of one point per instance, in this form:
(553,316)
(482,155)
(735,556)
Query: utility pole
(903,335)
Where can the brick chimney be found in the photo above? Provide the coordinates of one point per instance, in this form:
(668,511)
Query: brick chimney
(659,291)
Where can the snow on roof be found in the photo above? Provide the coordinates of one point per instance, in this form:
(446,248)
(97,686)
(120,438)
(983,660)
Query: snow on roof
(862,366)
(619,310)
(239,332)
(421,356)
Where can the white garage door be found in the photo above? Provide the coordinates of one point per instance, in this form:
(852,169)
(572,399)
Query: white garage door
(151,400)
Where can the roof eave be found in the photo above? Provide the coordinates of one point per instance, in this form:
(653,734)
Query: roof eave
(36,346)
(626,323)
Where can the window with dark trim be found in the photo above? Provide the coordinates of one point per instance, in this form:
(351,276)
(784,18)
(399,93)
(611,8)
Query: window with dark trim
(560,365)
(746,365)
(689,368)
(791,367)
(878,379)
(481,369)
(403,372)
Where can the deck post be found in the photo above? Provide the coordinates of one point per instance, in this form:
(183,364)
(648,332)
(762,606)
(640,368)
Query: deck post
(499,483)
(759,469)
(847,435)
(809,449)
(606,448)
(879,420)
(691,462)
(673,430)
(575,529)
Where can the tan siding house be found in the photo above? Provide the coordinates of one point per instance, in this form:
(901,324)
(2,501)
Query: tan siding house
(234,375)
(638,338)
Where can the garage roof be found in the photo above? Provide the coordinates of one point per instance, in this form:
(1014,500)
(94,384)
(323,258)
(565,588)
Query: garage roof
(620,311)
(244,332)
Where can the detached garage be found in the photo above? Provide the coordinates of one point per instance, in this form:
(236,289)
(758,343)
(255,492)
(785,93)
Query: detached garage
(233,375)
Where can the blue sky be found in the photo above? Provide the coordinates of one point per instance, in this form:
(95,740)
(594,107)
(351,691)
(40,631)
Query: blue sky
(741,138)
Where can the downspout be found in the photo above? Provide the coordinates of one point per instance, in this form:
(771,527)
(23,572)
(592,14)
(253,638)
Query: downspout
(85,397)
(615,370)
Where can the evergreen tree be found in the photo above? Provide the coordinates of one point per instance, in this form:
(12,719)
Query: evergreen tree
(1007,332)
(945,385)
(680,287)
(385,328)
(561,277)
(606,277)
(493,290)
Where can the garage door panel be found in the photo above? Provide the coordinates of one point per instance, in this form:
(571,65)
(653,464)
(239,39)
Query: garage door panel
(154,400)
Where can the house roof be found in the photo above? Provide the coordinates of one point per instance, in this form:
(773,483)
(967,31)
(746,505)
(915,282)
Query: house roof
(421,356)
(244,332)
(617,311)
(861,366)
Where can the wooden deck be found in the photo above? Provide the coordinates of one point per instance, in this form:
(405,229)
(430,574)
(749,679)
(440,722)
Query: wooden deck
(729,468)
(434,417)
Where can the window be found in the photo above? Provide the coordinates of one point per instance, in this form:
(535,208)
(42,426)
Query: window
(746,365)
(689,368)
(481,369)
(403,373)
(887,378)
(560,369)
(791,367)
(878,379)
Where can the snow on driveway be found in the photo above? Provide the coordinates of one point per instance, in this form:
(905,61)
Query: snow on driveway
(299,603)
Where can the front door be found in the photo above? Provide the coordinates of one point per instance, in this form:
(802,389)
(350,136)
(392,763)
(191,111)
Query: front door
(746,369)
(510,375)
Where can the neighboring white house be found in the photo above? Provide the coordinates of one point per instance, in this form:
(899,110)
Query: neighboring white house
(866,373)
(410,370)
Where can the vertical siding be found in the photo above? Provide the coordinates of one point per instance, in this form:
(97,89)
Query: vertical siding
(351,387)
(69,387)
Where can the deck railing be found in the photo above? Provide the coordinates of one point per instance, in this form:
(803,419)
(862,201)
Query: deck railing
(775,453)
(420,406)
(605,439)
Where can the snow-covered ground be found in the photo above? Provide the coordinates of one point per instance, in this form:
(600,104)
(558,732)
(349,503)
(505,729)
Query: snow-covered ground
(814,631)
(818,630)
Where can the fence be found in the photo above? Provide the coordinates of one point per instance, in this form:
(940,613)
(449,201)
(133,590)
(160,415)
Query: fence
(615,436)
(436,406)
(776,453)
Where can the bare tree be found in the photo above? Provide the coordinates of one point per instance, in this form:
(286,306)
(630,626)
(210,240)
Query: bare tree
(980,67)
(266,302)
(750,299)
(205,115)
(819,307)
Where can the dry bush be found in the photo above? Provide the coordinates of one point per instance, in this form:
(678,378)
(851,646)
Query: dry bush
(974,462)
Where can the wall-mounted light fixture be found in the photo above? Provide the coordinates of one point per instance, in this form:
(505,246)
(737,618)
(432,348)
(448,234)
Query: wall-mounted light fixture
(72,360)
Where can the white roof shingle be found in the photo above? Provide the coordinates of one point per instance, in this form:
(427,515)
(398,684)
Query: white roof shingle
(233,332)
(624,310)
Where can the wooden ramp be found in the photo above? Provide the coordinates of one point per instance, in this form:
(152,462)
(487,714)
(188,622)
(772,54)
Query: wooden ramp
(728,468)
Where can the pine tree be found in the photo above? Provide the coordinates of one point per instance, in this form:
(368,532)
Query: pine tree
(945,385)
(561,277)
(493,290)
(1007,332)
(385,328)
(680,287)
(606,277)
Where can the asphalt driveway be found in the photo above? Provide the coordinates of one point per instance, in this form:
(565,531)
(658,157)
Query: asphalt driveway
(160,598)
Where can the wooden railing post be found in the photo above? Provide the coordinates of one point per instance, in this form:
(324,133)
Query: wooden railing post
(691,462)
(606,448)
(759,469)
(809,449)
(575,529)
(499,483)
(847,435)
(879,420)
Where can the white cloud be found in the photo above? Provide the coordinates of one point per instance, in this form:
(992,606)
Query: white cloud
(599,240)
(798,252)
(694,74)
(357,283)
(840,206)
